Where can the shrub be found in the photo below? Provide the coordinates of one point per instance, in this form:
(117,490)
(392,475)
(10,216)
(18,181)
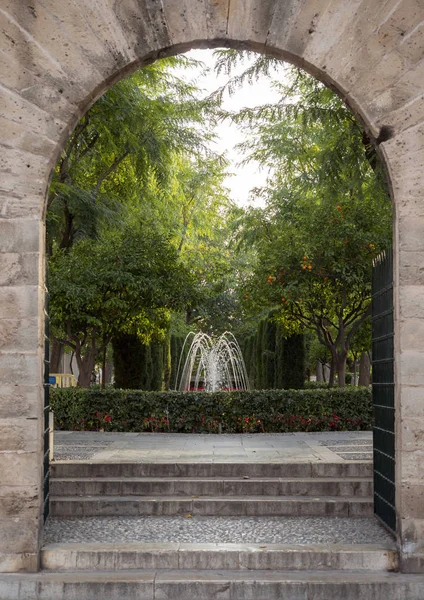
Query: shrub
(316,385)
(200,412)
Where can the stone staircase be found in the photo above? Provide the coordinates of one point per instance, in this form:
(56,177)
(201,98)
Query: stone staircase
(217,489)
(200,571)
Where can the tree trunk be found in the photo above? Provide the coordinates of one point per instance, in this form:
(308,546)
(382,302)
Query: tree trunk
(104,368)
(56,356)
(340,367)
(319,371)
(354,379)
(341,372)
(364,369)
(85,366)
(332,371)
(108,372)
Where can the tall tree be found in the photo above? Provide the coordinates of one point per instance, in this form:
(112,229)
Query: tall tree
(122,283)
(327,212)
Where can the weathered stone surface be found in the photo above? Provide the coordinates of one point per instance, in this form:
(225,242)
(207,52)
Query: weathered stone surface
(16,367)
(14,563)
(20,234)
(20,400)
(19,434)
(24,464)
(18,268)
(57,58)
(15,501)
(250,19)
(19,302)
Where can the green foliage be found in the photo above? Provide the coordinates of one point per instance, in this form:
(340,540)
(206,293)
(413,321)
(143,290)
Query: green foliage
(293,362)
(327,211)
(122,283)
(273,359)
(128,360)
(201,412)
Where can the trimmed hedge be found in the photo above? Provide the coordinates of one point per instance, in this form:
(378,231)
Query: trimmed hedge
(200,412)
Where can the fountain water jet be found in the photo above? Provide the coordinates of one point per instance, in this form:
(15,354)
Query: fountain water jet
(212,364)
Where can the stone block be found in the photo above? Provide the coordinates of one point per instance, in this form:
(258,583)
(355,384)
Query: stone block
(404,117)
(19,501)
(251,19)
(13,185)
(355,34)
(411,333)
(19,268)
(21,400)
(29,42)
(143,25)
(15,135)
(217,18)
(22,467)
(200,586)
(406,89)
(409,464)
(361,508)
(411,268)
(411,368)
(14,203)
(19,434)
(14,563)
(19,110)
(412,406)
(411,234)
(335,18)
(19,535)
(185,21)
(33,88)
(411,301)
(207,556)
(17,334)
(20,235)
(19,302)
(412,505)
(16,368)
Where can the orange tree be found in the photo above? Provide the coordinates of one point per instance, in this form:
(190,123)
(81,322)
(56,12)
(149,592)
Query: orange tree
(327,214)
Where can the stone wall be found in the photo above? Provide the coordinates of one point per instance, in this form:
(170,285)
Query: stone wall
(58,57)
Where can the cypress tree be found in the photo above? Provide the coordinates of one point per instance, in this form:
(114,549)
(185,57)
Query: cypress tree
(293,362)
(157,366)
(167,361)
(128,360)
(252,366)
(269,352)
(147,368)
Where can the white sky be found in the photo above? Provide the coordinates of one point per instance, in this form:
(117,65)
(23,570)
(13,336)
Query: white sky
(250,176)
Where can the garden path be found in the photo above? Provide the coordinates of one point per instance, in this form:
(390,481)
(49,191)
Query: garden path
(237,448)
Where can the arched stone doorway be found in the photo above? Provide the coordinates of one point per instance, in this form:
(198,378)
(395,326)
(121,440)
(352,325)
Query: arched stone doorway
(58,58)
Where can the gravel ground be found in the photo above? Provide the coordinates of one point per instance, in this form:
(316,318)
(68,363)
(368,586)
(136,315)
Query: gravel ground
(272,530)
(353,449)
(353,442)
(78,451)
(356,455)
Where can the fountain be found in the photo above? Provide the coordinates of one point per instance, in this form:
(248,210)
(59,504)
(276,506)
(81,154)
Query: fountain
(212,364)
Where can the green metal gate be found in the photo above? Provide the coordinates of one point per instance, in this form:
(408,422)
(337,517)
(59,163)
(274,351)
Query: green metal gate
(383,389)
(46,457)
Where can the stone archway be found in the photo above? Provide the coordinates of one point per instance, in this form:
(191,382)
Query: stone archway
(58,57)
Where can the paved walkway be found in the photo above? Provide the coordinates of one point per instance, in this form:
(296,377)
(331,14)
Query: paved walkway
(262,448)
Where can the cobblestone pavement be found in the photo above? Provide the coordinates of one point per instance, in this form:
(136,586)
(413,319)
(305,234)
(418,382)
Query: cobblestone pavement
(273,530)
(168,447)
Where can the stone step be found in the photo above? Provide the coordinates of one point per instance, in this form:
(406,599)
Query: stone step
(337,470)
(299,506)
(282,557)
(186,486)
(212,585)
